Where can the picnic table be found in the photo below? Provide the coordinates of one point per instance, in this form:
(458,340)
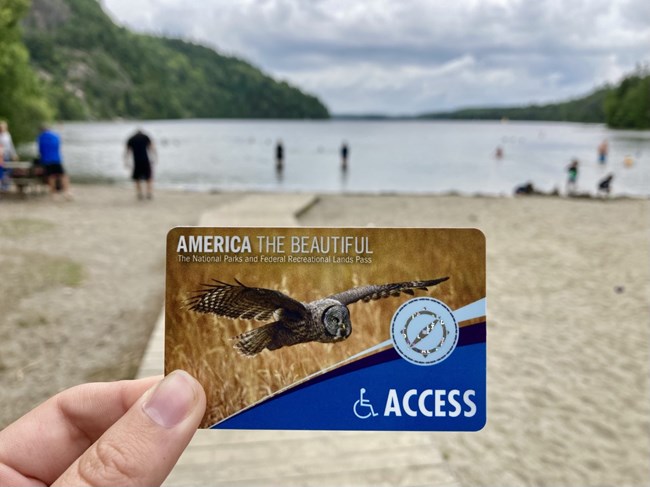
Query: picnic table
(27,176)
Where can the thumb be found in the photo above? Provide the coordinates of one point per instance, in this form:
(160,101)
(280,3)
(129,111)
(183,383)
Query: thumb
(143,446)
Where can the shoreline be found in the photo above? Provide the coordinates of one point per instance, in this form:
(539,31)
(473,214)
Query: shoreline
(172,187)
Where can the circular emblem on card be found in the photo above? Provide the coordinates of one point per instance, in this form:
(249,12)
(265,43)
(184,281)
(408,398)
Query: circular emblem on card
(424,331)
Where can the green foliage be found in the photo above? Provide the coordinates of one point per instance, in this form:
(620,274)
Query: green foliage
(22,103)
(589,109)
(628,105)
(98,70)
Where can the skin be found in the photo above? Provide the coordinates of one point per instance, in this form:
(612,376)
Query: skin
(65,183)
(119,433)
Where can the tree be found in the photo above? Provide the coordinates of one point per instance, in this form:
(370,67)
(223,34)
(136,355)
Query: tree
(628,105)
(95,69)
(22,103)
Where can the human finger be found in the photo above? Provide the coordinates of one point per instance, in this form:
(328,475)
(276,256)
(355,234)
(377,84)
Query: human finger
(144,445)
(58,431)
(62,428)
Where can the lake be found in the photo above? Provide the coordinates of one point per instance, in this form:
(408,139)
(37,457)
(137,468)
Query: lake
(385,156)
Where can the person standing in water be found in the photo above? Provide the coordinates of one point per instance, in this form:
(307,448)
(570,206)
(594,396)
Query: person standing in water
(344,156)
(603,150)
(279,156)
(141,148)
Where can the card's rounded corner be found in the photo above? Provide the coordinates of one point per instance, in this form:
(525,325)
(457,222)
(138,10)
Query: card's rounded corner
(482,425)
(172,230)
(480,233)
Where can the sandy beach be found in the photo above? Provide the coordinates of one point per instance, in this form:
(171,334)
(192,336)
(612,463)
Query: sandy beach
(568,318)
(82,285)
(568,338)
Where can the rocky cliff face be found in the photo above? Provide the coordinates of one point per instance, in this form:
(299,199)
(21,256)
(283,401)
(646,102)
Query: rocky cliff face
(47,15)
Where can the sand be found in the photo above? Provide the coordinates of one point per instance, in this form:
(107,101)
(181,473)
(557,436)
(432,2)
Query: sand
(568,327)
(568,334)
(81,285)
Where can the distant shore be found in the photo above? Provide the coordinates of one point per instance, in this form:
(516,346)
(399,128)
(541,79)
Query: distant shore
(568,281)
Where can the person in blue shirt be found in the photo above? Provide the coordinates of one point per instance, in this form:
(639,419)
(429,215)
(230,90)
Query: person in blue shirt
(49,148)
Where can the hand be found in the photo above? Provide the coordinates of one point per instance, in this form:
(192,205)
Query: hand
(119,433)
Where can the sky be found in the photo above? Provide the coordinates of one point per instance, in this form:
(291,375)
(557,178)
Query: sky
(415,56)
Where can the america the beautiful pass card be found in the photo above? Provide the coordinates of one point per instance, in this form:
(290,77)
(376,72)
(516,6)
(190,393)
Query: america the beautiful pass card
(330,328)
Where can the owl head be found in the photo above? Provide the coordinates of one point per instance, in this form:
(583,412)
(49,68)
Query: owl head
(337,322)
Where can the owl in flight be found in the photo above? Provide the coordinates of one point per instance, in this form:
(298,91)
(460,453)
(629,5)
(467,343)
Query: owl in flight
(325,320)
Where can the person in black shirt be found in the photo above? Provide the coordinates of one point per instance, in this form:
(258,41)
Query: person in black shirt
(141,148)
(279,156)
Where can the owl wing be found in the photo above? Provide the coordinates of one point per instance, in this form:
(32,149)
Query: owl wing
(248,303)
(372,292)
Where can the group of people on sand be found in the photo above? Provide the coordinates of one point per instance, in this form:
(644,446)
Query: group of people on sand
(603,188)
(139,156)
(344,151)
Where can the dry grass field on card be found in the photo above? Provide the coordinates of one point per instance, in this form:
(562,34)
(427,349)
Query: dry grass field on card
(202,343)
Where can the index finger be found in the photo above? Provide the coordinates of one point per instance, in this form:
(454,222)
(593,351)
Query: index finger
(47,440)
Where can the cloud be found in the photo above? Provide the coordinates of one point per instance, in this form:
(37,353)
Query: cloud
(420,55)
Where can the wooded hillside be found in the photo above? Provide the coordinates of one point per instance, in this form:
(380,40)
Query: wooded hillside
(95,69)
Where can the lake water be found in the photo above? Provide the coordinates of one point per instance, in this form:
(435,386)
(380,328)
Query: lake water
(385,156)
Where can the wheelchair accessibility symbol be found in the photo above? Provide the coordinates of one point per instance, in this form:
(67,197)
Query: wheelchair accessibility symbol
(362,408)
